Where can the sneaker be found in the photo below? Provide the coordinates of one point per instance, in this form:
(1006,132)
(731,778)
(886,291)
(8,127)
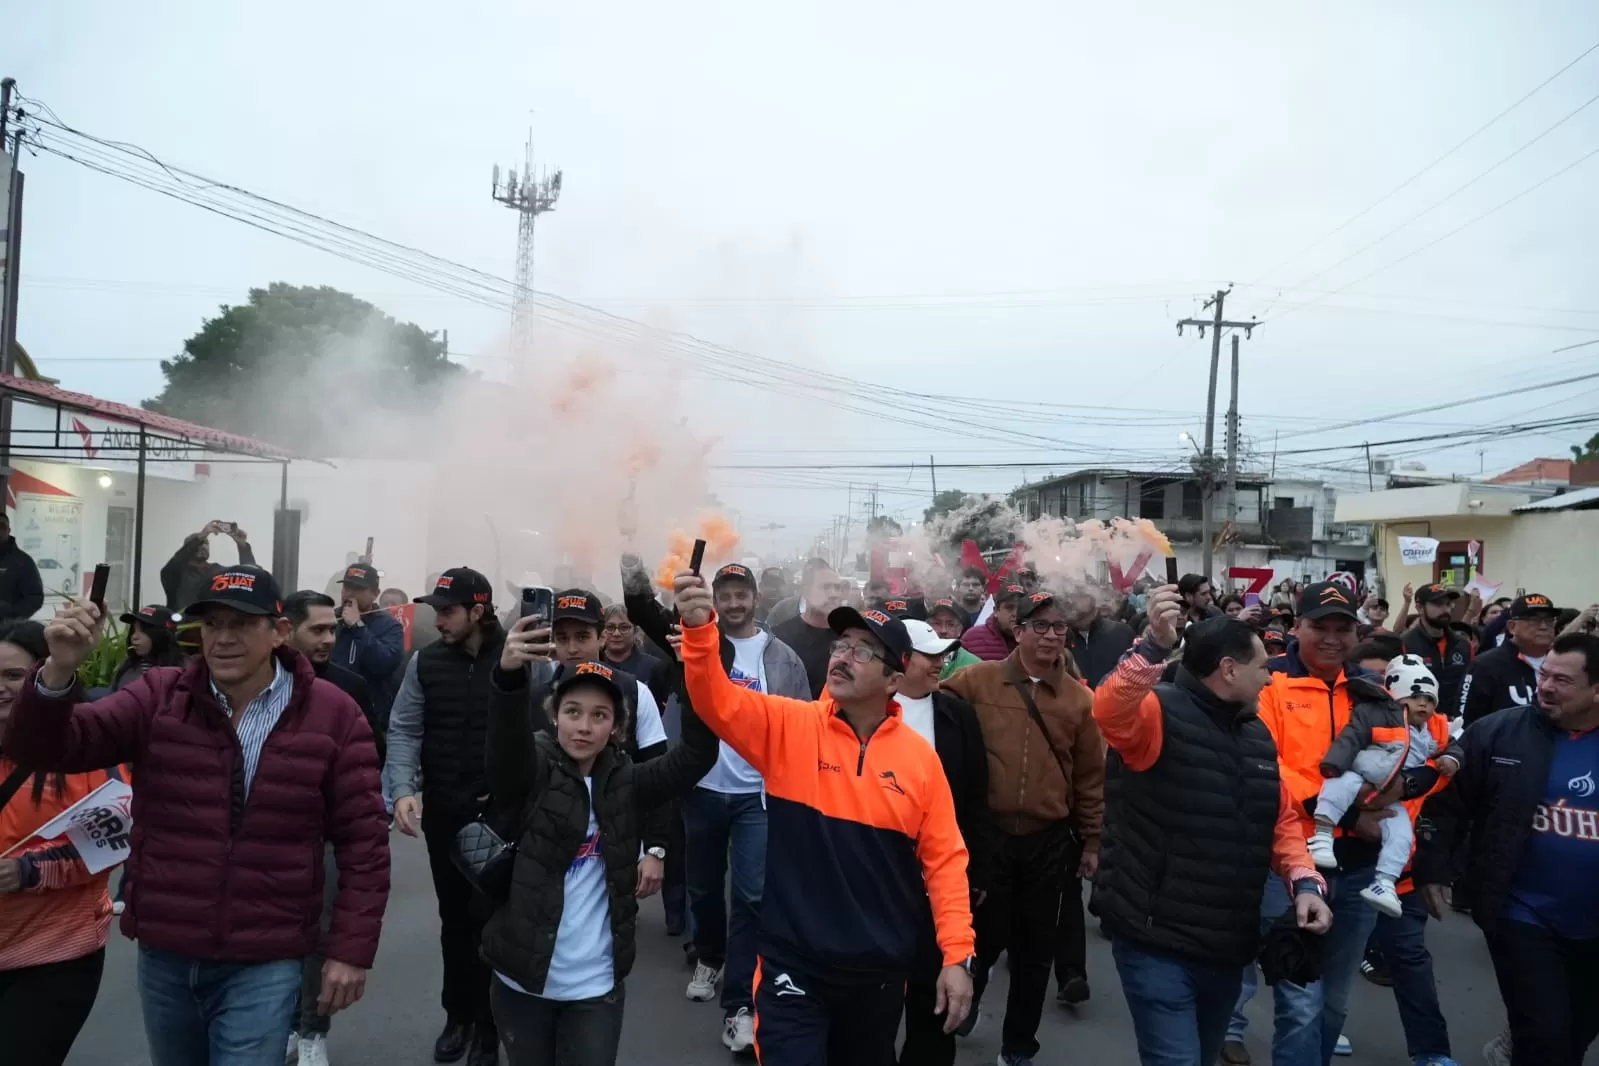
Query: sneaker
(1380,894)
(314,1050)
(738,1031)
(1073,993)
(1007,1058)
(1234,1053)
(291,1056)
(1343,1049)
(1496,1052)
(1374,968)
(1321,851)
(702,986)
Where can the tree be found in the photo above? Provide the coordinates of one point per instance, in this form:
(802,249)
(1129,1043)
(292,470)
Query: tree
(884,526)
(302,366)
(1587,452)
(945,502)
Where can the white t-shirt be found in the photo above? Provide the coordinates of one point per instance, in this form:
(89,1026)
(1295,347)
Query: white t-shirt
(732,775)
(581,967)
(917,713)
(1536,664)
(648,729)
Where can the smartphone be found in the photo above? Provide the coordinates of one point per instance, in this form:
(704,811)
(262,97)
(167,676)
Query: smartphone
(698,557)
(102,574)
(227,527)
(538,601)
(1251,599)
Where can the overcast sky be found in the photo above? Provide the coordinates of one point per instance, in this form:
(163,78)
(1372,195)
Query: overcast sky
(1012,203)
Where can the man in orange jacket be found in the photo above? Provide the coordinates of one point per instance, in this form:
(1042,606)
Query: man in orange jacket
(870,847)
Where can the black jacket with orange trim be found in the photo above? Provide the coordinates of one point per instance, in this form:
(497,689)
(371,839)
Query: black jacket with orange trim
(867,827)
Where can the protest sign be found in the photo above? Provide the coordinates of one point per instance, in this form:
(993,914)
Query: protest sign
(1485,589)
(99,825)
(1415,551)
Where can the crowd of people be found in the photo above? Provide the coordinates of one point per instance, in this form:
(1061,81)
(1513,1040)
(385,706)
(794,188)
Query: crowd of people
(1239,789)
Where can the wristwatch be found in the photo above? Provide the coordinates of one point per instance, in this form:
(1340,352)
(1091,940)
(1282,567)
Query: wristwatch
(656,853)
(969,964)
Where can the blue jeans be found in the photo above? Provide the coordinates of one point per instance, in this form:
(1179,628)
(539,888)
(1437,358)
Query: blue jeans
(202,1013)
(1402,942)
(1179,1008)
(722,830)
(1308,1018)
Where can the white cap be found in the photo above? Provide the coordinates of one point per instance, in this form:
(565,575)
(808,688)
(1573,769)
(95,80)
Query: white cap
(925,640)
(1408,676)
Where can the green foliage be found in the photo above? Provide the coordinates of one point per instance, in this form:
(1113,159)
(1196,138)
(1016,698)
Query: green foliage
(945,502)
(1588,451)
(292,364)
(105,658)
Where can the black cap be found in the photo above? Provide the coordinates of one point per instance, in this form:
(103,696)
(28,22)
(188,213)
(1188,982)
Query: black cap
(1435,593)
(596,674)
(734,572)
(1032,603)
(246,589)
(1271,635)
(952,607)
(460,585)
(1533,605)
(889,631)
(580,605)
(157,615)
(896,607)
(362,576)
(1327,599)
(1008,593)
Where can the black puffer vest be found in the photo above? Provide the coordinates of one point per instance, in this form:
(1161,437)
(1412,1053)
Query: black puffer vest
(519,939)
(455,723)
(1187,843)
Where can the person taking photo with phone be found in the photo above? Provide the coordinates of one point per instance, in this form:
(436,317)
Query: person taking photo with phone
(186,575)
(370,641)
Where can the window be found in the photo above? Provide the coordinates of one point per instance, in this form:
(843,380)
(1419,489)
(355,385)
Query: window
(1193,500)
(1082,500)
(1152,500)
(1282,503)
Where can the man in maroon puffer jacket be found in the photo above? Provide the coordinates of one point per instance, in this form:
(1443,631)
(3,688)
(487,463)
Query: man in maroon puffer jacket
(244,765)
(995,639)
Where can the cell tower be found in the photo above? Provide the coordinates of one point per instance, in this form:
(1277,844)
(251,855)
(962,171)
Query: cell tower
(530,197)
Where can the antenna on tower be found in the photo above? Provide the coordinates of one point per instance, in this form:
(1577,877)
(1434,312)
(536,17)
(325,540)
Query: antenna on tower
(529,198)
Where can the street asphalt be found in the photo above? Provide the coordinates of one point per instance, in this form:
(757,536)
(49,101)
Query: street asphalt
(397,1021)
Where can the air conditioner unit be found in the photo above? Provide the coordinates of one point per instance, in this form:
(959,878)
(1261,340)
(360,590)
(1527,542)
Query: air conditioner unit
(1382,466)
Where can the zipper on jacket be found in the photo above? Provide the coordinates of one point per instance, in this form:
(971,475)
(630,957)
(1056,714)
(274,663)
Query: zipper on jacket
(860,764)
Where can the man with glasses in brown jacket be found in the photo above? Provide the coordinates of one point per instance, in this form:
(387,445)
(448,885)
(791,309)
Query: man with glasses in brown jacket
(1046,791)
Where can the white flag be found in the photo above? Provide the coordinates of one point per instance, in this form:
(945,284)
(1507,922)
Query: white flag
(1416,550)
(99,825)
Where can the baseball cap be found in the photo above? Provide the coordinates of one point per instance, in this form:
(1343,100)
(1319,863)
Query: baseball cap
(1327,599)
(899,608)
(246,589)
(1008,593)
(951,606)
(459,585)
(1531,605)
(156,614)
(1273,636)
(1032,603)
(924,640)
(361,576)
(889,631)
(1436,593)
(733,572)
(580,605)
(597,675)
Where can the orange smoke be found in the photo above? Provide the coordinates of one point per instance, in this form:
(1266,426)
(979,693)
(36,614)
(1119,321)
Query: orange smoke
(1147,530)
(721,540)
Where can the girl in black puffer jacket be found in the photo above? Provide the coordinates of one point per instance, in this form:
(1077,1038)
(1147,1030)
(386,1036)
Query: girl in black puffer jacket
(562,943)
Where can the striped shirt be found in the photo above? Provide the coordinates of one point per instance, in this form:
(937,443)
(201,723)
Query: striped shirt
(256,722)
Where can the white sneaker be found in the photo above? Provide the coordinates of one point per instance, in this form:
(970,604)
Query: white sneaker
(738,1031)
(314,1050)
(1321,851)
(1380,894)
(702,986)
(1496,1052)
(291,1056)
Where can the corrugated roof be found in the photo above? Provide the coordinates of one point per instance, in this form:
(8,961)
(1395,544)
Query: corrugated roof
(1566,501)
(1535,470)
(138,416)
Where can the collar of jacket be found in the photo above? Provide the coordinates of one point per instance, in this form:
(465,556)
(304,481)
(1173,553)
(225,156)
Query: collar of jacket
(1055,677)
(493,643)
(830,708)
(196,679)
(1225,712)
(605,762)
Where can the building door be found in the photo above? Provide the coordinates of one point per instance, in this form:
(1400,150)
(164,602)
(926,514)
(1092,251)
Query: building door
(1455,564)
(119,553)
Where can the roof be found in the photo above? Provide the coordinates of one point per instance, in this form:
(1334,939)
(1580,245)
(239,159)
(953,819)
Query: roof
(1535,470)
(156,423)
(1565,501)
(1172,474)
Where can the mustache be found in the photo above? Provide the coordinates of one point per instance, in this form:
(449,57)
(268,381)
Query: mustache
(842,671)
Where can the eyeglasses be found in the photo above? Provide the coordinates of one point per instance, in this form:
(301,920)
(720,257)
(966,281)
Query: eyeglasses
(861,653)
(1041,627)
(625,627)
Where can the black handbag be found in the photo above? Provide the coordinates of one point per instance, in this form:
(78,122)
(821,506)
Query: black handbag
(485,858)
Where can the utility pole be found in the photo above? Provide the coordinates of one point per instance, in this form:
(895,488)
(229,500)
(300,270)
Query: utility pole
(1205,463)
(933,470)
(10,267)
(1232,469)
(529,197)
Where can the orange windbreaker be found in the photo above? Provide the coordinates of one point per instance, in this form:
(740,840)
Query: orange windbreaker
(66,913)
(863,831)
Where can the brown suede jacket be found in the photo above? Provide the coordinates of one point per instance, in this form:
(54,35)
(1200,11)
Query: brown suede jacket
(1031,787)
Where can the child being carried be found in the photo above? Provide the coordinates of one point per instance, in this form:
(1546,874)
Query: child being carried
(1381,741)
